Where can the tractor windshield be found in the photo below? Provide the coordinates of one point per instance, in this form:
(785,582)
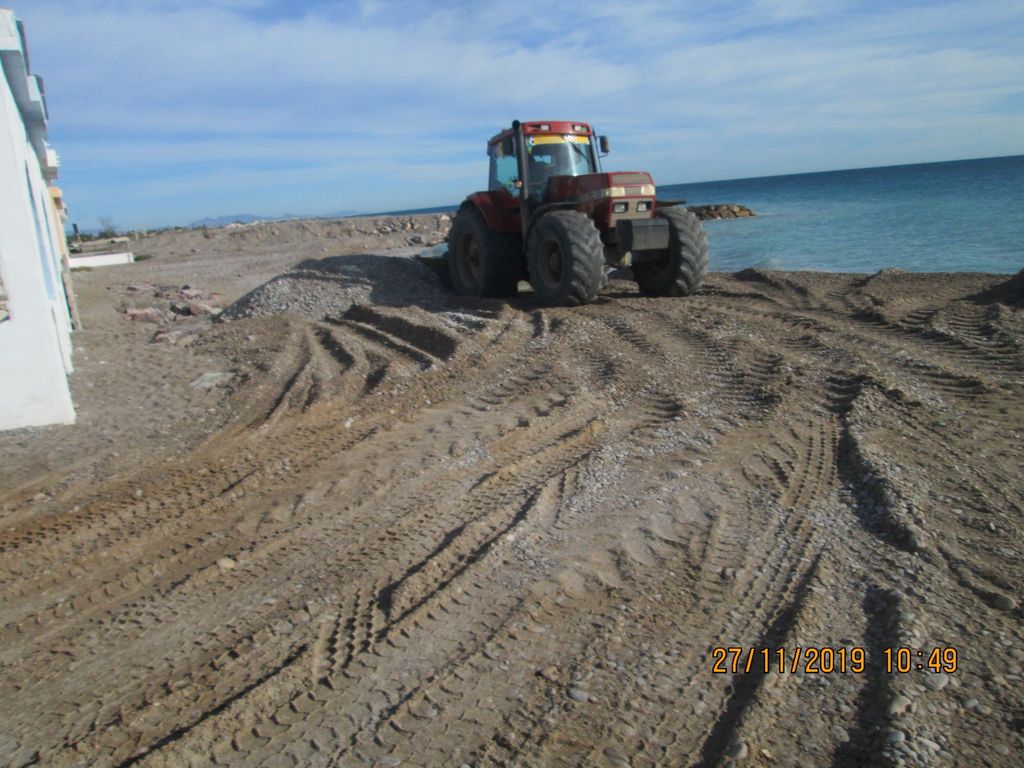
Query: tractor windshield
(560,155)
(549,156)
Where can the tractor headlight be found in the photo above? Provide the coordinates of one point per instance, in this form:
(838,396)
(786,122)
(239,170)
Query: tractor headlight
(643,205)
(620,207)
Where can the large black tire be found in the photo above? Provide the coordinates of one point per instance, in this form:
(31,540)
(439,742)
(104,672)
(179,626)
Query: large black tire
(566,259)
(482,262)
(683,265)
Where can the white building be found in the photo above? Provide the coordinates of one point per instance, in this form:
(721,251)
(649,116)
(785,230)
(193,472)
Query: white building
(35,322)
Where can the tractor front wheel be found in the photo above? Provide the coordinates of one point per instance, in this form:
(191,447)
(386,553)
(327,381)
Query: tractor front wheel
(681,268)
(482,262)
(566,259)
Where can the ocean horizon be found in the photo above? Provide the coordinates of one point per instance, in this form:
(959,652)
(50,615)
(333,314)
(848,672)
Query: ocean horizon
(952,216)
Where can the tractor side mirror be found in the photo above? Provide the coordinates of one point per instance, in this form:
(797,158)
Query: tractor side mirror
(604,144)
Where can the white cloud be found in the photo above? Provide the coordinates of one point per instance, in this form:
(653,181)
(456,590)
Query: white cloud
(252,91)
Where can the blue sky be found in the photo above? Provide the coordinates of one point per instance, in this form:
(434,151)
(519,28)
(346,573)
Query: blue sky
(165,112)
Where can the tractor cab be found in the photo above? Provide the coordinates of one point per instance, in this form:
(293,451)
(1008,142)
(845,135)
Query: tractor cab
(549,150)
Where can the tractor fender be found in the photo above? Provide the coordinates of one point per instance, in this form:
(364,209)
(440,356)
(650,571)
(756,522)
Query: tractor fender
(499,209)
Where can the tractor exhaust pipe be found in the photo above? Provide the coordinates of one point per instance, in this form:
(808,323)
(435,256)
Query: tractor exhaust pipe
(524,190)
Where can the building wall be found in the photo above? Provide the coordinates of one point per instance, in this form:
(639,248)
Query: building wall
(35,337)
(4,314)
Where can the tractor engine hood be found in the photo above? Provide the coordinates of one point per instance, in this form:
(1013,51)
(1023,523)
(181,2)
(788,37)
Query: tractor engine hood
(594,187)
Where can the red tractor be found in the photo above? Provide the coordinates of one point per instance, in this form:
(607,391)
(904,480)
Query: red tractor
(551,216)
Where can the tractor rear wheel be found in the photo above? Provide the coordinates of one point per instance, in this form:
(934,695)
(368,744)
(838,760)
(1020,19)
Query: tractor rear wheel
(566,259)
(681,269)
(482,262)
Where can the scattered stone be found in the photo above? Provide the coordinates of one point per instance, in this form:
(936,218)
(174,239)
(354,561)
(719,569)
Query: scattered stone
(149,315)
(199,308)
(211,379)
(1002,602)
(196,294)
(176,336)
(577,694)
(187,302)
(424,711)
(894,737)
(226,564)
(936,682)
(548,673)
(899,705)
(614,757)
(737,750)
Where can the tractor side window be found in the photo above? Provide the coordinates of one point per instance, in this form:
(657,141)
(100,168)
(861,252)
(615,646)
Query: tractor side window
(504,169)
(507,172)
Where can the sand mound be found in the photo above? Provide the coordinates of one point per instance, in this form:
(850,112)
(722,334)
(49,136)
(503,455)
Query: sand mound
(1010,292)
(381,231)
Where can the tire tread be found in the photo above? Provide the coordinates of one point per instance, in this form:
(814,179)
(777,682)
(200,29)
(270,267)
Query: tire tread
(687,254)
(583,241)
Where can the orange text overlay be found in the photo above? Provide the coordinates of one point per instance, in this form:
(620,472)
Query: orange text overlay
(828,660)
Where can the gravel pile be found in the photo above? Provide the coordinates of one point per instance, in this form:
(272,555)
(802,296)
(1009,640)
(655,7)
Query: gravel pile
(319,287)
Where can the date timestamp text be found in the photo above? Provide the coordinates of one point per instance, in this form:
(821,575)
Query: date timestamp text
(828,660)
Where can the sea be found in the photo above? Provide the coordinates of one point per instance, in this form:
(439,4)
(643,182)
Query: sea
(958,216)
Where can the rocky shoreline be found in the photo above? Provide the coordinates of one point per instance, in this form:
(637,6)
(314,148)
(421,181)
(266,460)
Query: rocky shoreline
(721,211)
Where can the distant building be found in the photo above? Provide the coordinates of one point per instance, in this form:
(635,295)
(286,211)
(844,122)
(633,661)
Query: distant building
(35,319)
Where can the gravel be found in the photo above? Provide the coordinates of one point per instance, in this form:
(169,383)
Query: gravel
(317,288)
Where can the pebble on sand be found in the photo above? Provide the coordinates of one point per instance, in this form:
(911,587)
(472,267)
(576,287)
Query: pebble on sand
(899,705)
(211,379)
(613,757)
(737,750)
(1003,602)
(936,682)
(894,737)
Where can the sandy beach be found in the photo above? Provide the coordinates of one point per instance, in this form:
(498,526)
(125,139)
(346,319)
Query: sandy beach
(353,519)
